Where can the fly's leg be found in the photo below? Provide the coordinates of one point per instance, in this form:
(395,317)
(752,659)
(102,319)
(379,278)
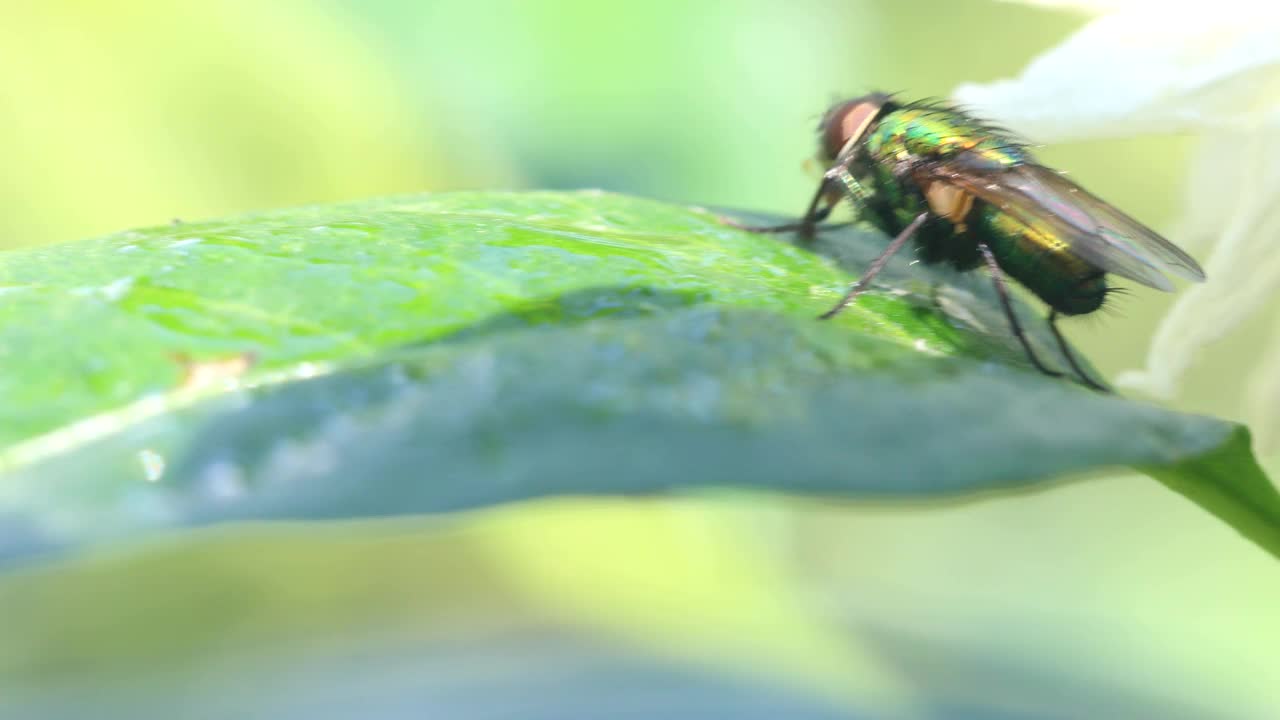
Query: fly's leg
(805,225)
(837,177)
(1071,358)
(997,277)
(876,266)
(848,183)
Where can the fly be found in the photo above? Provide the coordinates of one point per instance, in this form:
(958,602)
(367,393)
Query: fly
(969,195)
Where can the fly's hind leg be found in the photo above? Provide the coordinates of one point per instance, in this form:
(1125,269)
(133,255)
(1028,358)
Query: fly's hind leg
(997,277)
(1071,358)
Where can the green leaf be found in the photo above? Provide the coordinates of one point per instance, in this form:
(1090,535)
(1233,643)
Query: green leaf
(427,354)
(1229,482)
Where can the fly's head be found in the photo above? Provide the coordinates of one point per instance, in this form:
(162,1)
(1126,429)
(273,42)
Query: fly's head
(846,123)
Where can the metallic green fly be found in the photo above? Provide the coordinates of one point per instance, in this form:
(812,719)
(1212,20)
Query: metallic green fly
(970,194)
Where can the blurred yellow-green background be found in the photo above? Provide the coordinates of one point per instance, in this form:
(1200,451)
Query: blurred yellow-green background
(134,112)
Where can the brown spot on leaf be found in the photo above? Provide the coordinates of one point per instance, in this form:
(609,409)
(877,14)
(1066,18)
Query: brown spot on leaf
(199,374)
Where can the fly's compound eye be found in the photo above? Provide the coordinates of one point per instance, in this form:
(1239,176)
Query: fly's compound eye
(847,121)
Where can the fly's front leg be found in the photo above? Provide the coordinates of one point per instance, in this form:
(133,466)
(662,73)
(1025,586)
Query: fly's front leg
(806,225)
(840,176)
(836,181)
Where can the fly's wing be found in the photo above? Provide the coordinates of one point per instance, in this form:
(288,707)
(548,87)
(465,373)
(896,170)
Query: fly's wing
(1095,231)
(1116,227)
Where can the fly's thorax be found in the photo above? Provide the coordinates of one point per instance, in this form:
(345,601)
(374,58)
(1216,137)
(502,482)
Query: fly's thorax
(931,133)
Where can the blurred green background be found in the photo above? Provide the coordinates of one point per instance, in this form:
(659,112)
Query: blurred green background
(136,112)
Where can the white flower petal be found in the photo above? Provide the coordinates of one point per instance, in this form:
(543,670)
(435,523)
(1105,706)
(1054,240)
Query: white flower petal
(1142,71)
(1243,267)
(1262,401)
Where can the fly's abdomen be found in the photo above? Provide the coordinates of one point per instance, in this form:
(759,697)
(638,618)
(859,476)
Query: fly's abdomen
(1042,263)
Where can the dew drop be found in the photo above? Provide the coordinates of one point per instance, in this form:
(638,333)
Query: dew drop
(152,464)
